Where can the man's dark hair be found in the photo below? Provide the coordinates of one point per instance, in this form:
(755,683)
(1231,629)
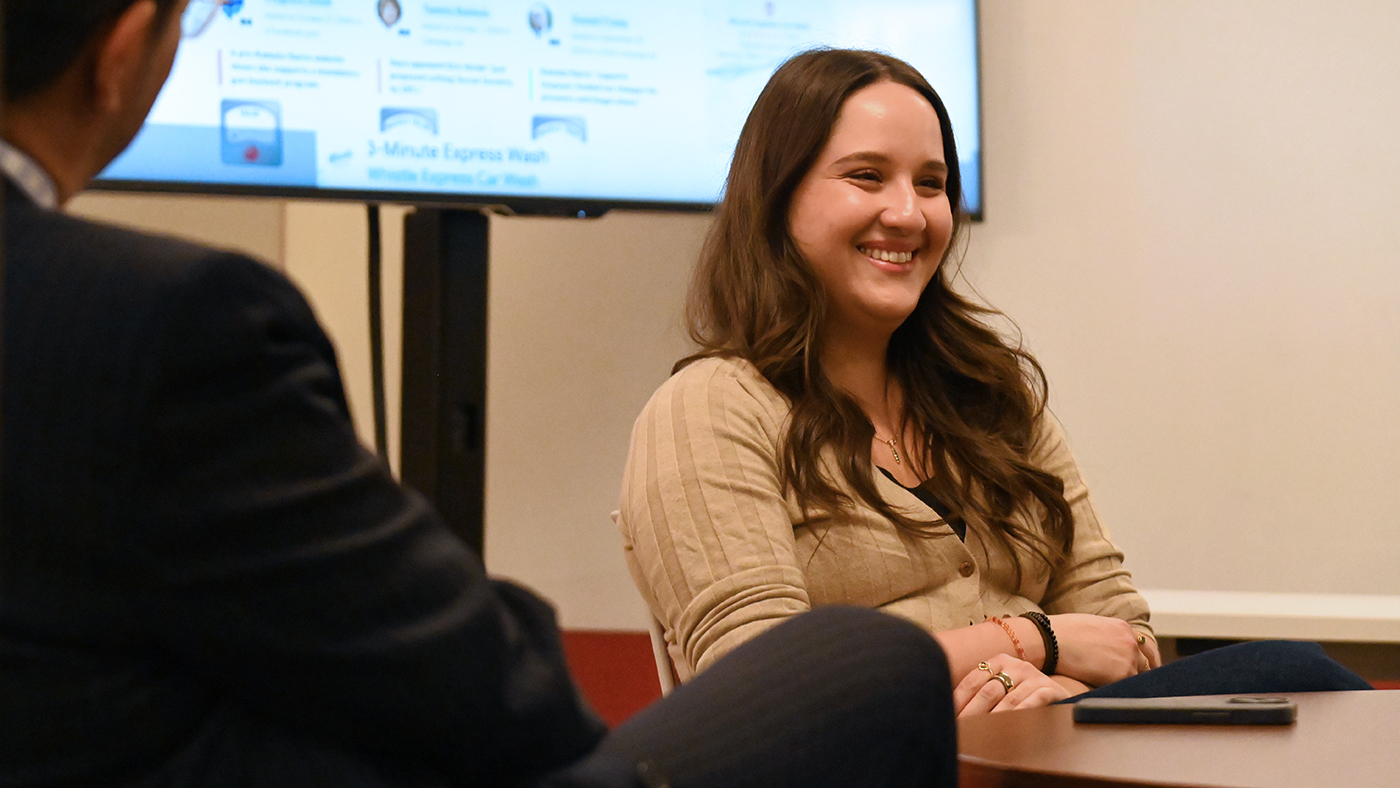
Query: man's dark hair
(43,37)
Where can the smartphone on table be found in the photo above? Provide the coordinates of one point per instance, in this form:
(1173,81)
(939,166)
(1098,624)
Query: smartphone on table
(1197,710)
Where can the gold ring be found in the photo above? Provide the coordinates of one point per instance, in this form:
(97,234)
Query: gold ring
(1006,681)
(984,666)
(1142,639)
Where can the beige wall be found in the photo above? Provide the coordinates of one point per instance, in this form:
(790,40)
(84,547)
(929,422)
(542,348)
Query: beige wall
(585,324)
(1190,213)
(254,226)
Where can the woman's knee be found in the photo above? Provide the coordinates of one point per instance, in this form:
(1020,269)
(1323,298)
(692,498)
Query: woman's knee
(1300,666)
(1282,666)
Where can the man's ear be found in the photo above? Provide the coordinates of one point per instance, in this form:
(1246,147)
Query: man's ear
(122,56)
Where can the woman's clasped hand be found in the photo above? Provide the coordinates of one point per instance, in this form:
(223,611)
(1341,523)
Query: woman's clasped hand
(986,688)
(1099,650)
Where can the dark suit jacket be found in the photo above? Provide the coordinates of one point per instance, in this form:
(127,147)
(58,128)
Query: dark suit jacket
(204,578)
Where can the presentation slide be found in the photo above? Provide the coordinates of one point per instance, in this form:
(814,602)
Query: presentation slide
(612,101)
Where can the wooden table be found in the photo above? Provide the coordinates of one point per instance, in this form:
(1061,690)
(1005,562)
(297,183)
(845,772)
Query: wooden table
(1341,740)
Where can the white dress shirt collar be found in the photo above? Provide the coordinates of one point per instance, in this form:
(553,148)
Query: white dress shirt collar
(28,176)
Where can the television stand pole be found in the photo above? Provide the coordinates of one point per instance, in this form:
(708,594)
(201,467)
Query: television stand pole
(443,416)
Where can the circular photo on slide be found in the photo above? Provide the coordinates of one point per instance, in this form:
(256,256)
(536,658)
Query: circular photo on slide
(541,19)
(389,12)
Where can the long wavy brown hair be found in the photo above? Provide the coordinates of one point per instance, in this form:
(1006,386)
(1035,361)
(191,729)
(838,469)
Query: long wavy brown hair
(973,399)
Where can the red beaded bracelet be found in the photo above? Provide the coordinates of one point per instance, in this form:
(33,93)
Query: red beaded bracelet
(1015,641)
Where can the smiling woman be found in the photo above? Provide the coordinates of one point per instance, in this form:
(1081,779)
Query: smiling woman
(850,431)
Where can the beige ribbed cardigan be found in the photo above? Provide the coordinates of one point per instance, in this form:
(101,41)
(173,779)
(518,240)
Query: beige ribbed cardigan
(721,552)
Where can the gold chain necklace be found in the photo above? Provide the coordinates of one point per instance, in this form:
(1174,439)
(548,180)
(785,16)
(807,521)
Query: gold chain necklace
(893,448)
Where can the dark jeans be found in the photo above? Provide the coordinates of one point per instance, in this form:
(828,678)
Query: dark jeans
(836,697)
(1259,667)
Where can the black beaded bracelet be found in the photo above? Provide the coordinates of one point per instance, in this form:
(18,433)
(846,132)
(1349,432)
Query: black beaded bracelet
(1047,633)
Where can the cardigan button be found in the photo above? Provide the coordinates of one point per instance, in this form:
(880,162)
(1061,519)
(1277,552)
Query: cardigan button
(966,569)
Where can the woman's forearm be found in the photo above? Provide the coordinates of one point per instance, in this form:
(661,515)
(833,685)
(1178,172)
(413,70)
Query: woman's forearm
(967,646)
(1074,686)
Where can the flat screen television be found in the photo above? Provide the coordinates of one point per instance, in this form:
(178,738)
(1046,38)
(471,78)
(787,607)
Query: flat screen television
(537,107)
